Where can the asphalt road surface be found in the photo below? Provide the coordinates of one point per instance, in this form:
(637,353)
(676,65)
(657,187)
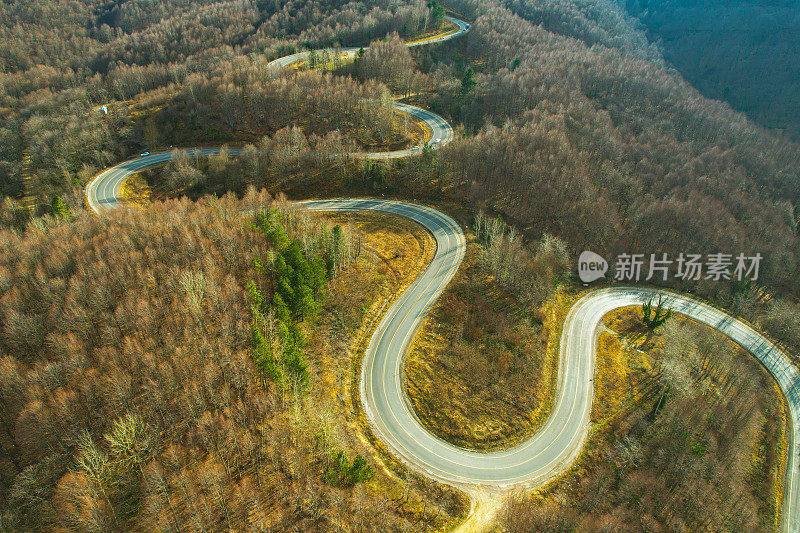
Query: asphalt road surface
(103,193)
(555,446)
(440,130)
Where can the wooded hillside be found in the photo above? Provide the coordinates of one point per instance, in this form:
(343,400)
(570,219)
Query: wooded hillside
(169,73)
(182,366)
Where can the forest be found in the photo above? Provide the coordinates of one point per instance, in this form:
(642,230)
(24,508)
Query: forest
(172,73)
(173,368)
(741,52)
(482,371)
(569,123)
(688,439)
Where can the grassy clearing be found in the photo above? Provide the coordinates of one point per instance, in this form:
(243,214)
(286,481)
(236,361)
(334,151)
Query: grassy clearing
(403,247)
(135,190)
(396,251)
(688,433)
(407,132)
(483,369)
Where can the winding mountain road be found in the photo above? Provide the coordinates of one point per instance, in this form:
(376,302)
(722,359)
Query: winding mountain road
(556,445)
(440,131)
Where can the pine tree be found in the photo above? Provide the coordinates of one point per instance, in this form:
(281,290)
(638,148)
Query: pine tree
(361,471)
(256,299)
(296,363)
(306,305)
(263,357)
(278,237)
(283,270)
(468,81)
(60,209)
(287,293)
(294,256)
(269,224)
(651,321)
(437,13)
(317,279)
(282,312)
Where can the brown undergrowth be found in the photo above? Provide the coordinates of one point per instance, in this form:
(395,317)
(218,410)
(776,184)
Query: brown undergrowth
(400,249)
(688,434)
(138,399)
(482,371)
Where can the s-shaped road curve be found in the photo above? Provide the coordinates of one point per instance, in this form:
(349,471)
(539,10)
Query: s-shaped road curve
(103,193)
(440,130)
(555,446)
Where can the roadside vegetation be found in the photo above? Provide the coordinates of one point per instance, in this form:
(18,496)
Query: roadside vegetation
(182,364)
(87,83)
(482,370)
(570,122)
(135,191)
(149,376)
(688,433)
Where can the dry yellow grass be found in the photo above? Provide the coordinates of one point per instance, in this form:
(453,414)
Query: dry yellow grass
(135,190)
(447,370)
(418,133)
(403,247)
(783,455)
(610,383)
(448,28)
(626,364)
(554,312)
(396,250)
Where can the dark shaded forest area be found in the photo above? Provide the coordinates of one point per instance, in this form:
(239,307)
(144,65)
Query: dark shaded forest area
(576,128)
(592,140)
(743,52)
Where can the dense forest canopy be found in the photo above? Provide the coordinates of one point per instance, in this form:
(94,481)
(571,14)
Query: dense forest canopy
(609,149)
(741,51)
(569,123)
(60,61)
(172,368)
